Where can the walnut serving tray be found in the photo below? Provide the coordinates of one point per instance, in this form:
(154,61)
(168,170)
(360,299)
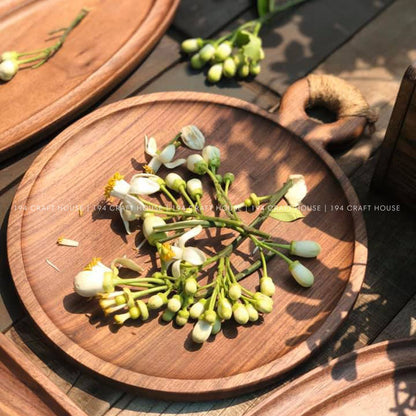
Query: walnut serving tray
(104,48)
(160,359)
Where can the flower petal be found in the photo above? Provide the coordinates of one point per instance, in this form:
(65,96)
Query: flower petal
(175,164)
(133,204)
(155,164)
(297,192)
(150,146)
(176,269)
(167,154)
(177,252)
(124,214)
(193,256)
(143,186)
(193,232)
(193,137)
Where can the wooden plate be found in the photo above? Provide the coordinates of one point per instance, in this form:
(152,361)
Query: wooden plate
(26,390)
(102,50)
(379,380)
(160,359)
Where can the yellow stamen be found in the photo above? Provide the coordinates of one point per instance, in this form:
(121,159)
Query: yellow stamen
(62,241)
(111,183)
(148,169)
(80,212)
(166,252)
(92,263)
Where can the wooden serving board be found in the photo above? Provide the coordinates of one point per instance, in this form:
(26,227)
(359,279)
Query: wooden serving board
(379,380)
(158,359)
(108,43)
(25,390)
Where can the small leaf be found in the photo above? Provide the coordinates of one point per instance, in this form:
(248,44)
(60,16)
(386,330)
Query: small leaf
(243,37)
(263,7)
(286,214)
(252,48)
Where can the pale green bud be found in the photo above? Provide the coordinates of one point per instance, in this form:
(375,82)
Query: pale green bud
(229,177)
(255,68)
(197,62)
(234,292)
(174,181)
(201,332)
(253,315)
(267,286)
(216,327)
(192,45)
(263,303)
(214,73)
(191,286)
(168,315)
(197,309)
(8,69)
(9,56)
(225,309)
(210,316)
(244,71)
(175,303)
(240,313)
(196,164)
(212,155)
(305,248)
(301,274)
(194,188)
(207,52)
(155,302)
(182,317)
(149,224)
(223,51)
(134,312)
(229,68)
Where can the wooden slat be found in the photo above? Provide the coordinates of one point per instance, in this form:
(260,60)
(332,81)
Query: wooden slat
(202,18)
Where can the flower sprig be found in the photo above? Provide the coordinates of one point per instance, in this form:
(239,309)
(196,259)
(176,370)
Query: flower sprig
(12,61)
(178,287)
(238,53)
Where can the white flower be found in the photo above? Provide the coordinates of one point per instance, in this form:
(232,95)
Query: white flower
(193,137)
(297,191)
(301,274)
(8,69)
(201,332)
(196,164)
(212,155)
(131,209)
(305,248)
(191,255)
(90,281)
(163,157)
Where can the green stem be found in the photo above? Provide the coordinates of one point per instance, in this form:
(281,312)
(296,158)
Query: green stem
(188,199)
(267,247)
(138,280)
(146,292)
(170,196)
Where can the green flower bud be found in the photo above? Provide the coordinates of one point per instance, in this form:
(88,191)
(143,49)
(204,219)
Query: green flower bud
(144,311)
(234,292)
(197,62)
(223,51)
(175,303)
(240,313)
(225,309)
(196,164)
(192,45)
(134,312)
(253,315)
(267,286)
(219,178)
(9,56)
(301,274)
(191,286)
(244,71)
(182,317)
(305,248)
(168,315)
(210,316)
(8,69)
(263,303)
(212,156)
(197,309)
(216,327)
(214,73)
(229,177)
(229,68)
(207,52)
(255,68)
(157,301)
(149,224)
(194,188)
(239,59)
(175,182)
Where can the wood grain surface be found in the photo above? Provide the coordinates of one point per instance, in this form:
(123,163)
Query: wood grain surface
(102,50)
(25,390)
(376,380)
(159,359)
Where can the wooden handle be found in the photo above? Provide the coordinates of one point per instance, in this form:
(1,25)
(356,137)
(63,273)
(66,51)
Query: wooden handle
(292,115)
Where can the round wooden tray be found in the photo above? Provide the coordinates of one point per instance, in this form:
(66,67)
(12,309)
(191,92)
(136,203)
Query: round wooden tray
(378,380)
(103,49)
(160,359)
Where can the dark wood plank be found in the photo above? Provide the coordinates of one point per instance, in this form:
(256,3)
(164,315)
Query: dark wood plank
(202,18)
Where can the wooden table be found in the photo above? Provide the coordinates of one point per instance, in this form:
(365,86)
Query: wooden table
(369,43)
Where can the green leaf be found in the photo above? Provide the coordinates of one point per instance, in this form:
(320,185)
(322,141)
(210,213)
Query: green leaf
(252,48)
(263,7)
(286,214)
(243,37)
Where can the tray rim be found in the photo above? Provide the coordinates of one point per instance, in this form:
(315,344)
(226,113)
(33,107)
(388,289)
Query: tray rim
(374,353)
(181,389)
(97,84)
